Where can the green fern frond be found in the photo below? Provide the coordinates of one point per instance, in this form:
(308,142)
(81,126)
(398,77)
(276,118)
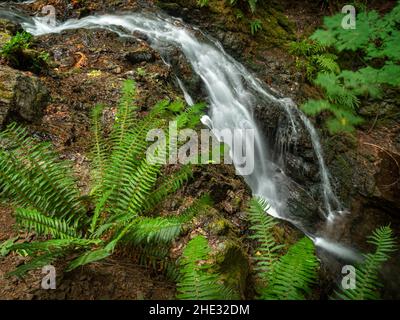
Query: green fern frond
(41,224)
(139,185)
(327,62)
(344,121)
(168,185)
(252,5)
(164,229)
(36,263)
(261,225)
(307,48)
(155,230)
(100,206)
(54,245)
(34,177)
(128,154)
(202,3)
(313,107)
(255,26)
(6,246)
(293,274)
(337,92)
(89,257)
(196,281)
(367,273)
(191,116)
(125,117)
(99,147)
(196,207)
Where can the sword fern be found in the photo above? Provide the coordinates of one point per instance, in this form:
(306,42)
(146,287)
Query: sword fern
(125,187)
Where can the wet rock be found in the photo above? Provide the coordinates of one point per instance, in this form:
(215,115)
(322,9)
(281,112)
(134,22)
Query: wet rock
(184,71)
(142,55)
(300,168)
(139,35)
(231,40)
(21,95)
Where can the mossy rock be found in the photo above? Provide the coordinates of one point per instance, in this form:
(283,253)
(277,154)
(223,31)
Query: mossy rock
(233,264)
(9,27)
(229,255)
(219,227)
(7,30)
(21,95)
(4,38)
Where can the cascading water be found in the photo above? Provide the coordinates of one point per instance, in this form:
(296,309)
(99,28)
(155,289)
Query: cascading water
(232,94)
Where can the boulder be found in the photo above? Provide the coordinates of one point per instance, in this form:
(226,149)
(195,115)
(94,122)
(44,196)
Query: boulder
(7,30)
(21,95)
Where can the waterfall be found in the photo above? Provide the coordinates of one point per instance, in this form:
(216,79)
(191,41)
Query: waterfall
(232,93)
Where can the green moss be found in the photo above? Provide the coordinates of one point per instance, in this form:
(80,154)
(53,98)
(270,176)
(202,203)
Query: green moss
(4,38)
(219,227)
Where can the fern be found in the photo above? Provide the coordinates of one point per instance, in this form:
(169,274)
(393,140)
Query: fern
(367,281)
(202,3)
(36,263)
(99,147)
(127,157)
(124,187)
(314,58)
(326,62)
(155,230)
(293,274)
(34,220)
(164,229)
(196,281)
(267,251)
(89,257)
(255,26)
(190,117)
(5,246)
(33,248)
(169,185)
(375,37)
(285,278)
(34,177)
(9,51)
